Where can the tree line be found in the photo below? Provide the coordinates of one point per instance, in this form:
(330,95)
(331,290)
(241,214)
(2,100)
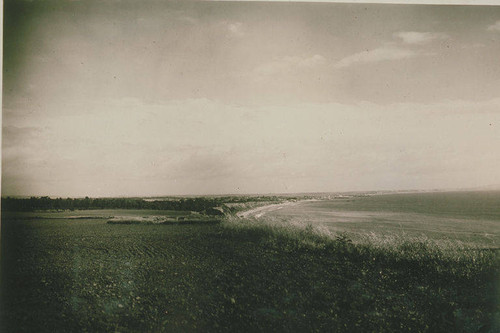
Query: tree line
(197,204)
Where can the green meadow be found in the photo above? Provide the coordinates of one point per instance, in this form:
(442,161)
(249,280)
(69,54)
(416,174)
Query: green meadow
(74,272)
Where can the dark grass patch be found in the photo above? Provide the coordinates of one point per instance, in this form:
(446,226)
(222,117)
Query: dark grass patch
(92,276)
(182,222)
(347,287)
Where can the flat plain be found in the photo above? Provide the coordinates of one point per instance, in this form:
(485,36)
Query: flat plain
(73,271)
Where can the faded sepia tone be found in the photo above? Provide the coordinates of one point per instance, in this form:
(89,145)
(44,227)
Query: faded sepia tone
(201,166)
(194,98)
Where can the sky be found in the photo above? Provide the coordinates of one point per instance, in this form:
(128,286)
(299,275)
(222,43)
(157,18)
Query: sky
(107,98)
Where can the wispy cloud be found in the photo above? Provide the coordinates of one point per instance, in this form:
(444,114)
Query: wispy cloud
(234,29)
(403,48)
(383,53)
(289,64)
(147,149)
(419,38)
(495,26)
(188,19)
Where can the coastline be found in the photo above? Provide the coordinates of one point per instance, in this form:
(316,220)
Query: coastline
(262,210)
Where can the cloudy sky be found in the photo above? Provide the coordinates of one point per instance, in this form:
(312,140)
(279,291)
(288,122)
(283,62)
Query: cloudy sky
(151,98)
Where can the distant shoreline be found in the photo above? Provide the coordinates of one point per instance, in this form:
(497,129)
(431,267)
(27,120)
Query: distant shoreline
(260,211)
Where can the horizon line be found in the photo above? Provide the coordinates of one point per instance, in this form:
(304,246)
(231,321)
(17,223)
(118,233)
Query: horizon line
(483,188)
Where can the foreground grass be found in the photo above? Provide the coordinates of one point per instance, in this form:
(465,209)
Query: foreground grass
(382,283)
(238,276)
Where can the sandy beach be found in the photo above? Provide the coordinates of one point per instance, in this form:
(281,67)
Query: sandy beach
(260,211)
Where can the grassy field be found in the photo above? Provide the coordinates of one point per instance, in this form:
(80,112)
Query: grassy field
(73,275)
